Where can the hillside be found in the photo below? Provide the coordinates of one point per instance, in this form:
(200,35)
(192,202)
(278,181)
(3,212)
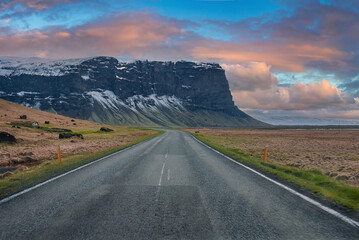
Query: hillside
(38,145)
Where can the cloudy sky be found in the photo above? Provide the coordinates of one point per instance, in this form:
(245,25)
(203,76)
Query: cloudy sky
(288,62)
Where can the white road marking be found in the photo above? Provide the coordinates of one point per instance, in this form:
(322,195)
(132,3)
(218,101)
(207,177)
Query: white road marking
(168,175)
(160,181)
(66,173)
(312,201)
(166,155)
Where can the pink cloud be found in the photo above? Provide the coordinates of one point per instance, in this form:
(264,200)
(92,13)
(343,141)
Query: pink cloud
(311,35)
(63,35)
(254,87)
(132,34)
(298,96)
(253,75)
(283,57)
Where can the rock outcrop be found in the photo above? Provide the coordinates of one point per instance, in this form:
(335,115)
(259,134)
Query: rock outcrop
(140,93)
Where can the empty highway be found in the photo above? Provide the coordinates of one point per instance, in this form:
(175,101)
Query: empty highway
(169,187)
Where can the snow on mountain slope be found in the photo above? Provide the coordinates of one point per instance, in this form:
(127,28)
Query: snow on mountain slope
(14,66)
(135,103)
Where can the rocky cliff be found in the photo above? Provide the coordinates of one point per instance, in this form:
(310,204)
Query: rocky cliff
(139,93)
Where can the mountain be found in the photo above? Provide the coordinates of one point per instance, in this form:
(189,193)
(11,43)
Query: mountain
(140,93)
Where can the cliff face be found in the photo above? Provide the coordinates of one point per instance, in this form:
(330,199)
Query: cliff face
(139,93)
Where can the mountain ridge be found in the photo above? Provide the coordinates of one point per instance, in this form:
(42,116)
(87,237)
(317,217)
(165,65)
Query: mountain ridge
(139,93)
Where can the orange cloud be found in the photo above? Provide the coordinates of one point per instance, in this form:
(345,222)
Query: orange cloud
(132,34)
(63,34)
(313,52)
(292,58)
(254,87)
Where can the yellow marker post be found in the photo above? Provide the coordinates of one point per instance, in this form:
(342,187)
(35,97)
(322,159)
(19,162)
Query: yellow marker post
(59,154)
(265,153)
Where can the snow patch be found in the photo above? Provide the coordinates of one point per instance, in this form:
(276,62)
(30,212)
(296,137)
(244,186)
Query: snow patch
(124,79)
(85,77)
(120,68)
(106,98)
(135,103)
(23,93)
(207,65)
(154,102)
(16,66)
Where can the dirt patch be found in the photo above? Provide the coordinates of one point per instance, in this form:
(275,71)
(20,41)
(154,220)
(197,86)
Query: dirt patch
(334,152)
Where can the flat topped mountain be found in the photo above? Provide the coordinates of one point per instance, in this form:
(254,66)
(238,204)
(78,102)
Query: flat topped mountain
(140,93)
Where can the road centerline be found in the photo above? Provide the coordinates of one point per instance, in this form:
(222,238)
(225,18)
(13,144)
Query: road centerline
(163,167)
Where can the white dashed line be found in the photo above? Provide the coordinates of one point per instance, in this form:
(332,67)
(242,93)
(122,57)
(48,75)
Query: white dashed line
(160,181)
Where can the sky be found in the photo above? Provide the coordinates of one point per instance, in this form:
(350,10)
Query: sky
(287,62)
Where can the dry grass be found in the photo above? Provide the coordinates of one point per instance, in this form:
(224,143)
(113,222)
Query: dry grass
(39,145)
(333,152)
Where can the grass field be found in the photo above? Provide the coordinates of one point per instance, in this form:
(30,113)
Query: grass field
(247,146)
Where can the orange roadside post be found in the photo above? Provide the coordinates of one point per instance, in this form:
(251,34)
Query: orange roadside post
(265,153)
(59,154)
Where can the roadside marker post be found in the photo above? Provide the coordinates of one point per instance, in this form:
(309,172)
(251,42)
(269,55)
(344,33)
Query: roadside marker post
(265,153)
(59,154)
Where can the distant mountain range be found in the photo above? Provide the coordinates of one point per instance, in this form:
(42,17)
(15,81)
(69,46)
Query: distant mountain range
(140,93)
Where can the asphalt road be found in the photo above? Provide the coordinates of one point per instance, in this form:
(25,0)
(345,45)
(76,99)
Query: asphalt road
(170,187)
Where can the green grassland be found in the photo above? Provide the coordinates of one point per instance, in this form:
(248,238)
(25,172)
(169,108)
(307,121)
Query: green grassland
(313,180)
